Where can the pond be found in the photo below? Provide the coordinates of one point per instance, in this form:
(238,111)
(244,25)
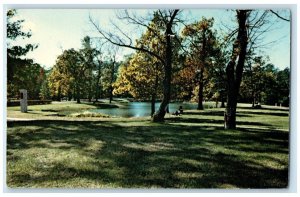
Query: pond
(141,109)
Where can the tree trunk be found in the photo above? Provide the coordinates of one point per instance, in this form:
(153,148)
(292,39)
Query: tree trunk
(153,99)
(97,95)
(111,81)
(200,93)
(234,75)
(59,94)
(201,84)
(223,102)
(253,99)
(159,116)
(153,104)
(77,93)
(90,96)
(110,94)
(69,96)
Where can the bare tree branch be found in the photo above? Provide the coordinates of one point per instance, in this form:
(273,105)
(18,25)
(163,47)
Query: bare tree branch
(288,20)
(117,41)
(140,22)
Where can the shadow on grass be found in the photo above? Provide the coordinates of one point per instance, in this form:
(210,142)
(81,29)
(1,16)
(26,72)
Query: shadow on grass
(213,121)
(153,155)
(102,105)
(265,108)
(247,113)
(210,113)
(264,113)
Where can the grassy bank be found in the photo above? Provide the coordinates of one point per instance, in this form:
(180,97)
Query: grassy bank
(59,109)
(190,151)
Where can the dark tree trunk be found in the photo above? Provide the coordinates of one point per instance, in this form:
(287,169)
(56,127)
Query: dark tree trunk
(234,71)
(253,99)
(200,93)
(111,81)
(77,93)
(153,99)
(223,102)
(97,95)
(159,116)
(59,94)
(90,94)
(69,96)
(110,94)
(201,84)
(153,104)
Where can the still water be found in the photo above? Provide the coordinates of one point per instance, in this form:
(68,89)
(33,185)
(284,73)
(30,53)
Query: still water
(141,109)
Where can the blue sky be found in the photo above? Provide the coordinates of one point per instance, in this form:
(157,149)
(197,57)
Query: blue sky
(58,29)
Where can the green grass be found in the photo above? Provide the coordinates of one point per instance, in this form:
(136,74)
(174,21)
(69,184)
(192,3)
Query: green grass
(190,151)
(56,110)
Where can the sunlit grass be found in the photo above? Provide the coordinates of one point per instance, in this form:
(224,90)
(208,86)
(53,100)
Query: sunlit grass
(190,151)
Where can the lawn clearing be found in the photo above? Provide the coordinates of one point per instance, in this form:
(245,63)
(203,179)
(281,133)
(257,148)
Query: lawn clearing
(190,151)
(56,110)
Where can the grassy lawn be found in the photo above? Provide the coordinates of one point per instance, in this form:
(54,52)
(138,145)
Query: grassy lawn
(56,110)
(190,151)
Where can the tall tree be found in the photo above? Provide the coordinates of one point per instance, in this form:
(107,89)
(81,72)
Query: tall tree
(88,54)
(167,20)
(234,69)
(18,66)
(68,73)
(140,76)
(202,46)
(98,70)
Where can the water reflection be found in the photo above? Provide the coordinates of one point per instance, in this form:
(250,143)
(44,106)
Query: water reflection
(141,109)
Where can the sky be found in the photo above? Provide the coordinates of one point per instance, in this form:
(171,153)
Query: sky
(55,30)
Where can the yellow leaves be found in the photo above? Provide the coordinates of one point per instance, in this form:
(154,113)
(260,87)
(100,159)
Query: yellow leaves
(196,28)
(137,76)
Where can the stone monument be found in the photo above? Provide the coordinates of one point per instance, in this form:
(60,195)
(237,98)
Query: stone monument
(23,100)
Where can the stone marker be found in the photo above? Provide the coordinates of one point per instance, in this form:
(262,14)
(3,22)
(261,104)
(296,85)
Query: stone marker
(23,100)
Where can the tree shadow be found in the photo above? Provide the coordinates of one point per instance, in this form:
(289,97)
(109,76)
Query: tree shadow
(264,113)
(153,155)
(213,121)
(265,108)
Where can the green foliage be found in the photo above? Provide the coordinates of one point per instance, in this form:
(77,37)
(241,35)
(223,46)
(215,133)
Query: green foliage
(203,53)
(22,73)
(263,83)
(140,76)
(72,75)
(29,77)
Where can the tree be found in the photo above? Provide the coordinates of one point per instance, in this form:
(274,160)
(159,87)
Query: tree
(144,72)
(166,19)
(234,69)
(21,71)
(202,46)
(252,26)
(45,89)
(98,71)
(60,82)
(68,74)
(258,80)
(88,54)
(283,88)
(140,76)
(112,75)
(217,76)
